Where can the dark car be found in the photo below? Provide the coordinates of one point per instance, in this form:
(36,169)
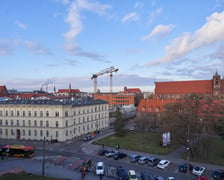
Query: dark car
(153,161)
(146,176)
(119,155)
(218,174)
(110,153)
(122,173)
(184,167)
(134,158)
(101,152)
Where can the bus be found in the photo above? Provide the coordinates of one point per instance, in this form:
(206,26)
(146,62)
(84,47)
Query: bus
(17,151)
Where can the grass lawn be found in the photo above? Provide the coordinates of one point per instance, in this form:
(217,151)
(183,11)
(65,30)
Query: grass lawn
(139,141)
(25,176)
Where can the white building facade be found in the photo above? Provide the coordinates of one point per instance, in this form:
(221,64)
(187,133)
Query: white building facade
(52,119)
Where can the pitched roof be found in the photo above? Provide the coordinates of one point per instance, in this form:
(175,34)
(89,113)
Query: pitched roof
(68,91)
(3,91)
(184,87)
(131,90)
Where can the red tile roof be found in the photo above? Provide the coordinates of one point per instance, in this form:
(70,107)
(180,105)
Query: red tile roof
(68,91)
(184,87)
(131,90)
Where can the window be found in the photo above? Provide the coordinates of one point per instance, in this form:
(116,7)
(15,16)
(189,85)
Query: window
(24,123)
(66,133)
(12,113)
(47,124)
(24,132)
(29,132)
(41,123)
(6,122)
(47,113)
(56,124)
(35,123)
(66,123)
(0,131)
(41,133)
(74,113)
(24,113)
(41,113)
(17,113)
(29,123)
(0,113)
(66,113)
(35,113)
(12,132)
(29,113)
(11,122)
(47,133)
(74,130)
(0,122)
(6,113)
(56,114)
(6,132)
(35,132)
(17,123)
(56,134)
(74,121)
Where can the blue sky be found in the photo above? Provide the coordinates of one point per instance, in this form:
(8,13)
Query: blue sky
(57,42)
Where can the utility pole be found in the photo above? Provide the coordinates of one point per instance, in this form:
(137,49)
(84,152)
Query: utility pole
(43,161)
(188,151)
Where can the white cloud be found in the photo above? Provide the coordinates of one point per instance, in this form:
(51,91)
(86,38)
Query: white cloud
(210,33)
(159,30)
(130,17)
(153,15)
(20,25)
(36,48)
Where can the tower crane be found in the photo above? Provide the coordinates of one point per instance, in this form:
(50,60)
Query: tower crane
(108,70)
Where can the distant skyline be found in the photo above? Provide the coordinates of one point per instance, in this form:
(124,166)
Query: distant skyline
(62,42)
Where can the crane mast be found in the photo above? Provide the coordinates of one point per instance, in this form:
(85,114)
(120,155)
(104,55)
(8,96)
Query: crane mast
(107,70)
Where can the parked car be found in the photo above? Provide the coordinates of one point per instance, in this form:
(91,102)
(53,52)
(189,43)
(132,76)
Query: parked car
(202,178)
(134,158)
(163,164)
(122,173)
(119,155)
(101,152)
(146,176)
(100,168)
(153,161)
(218,174)
(88,137)
(110,153)
(142,160)
(159,178)
(198,170)
(185,167)
(171,178)
(132,175)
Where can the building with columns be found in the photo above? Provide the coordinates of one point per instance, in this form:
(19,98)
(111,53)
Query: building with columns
(53,119)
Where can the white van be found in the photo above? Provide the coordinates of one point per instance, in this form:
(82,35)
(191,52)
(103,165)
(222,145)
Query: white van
(100,168)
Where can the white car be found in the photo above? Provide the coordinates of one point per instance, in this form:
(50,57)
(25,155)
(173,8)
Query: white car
(198,170)
(100,168)
(163,164)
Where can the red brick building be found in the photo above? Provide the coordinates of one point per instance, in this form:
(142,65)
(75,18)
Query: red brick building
(168,92)
(3,91)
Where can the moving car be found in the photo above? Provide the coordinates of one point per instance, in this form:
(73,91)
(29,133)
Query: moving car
(88,137)
(119,155)
(142,160)
(218,174)
(171,178)
(153,161)
(163,164)
(101,152)
(198,170)
(132,175)
(100,168)
(159,178)
(185,167)
(122,173)
(134,158)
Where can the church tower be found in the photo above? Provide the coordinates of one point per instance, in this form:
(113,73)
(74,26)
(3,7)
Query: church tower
(216,85)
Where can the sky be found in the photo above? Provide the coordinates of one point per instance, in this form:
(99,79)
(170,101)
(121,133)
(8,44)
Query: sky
(47,43)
